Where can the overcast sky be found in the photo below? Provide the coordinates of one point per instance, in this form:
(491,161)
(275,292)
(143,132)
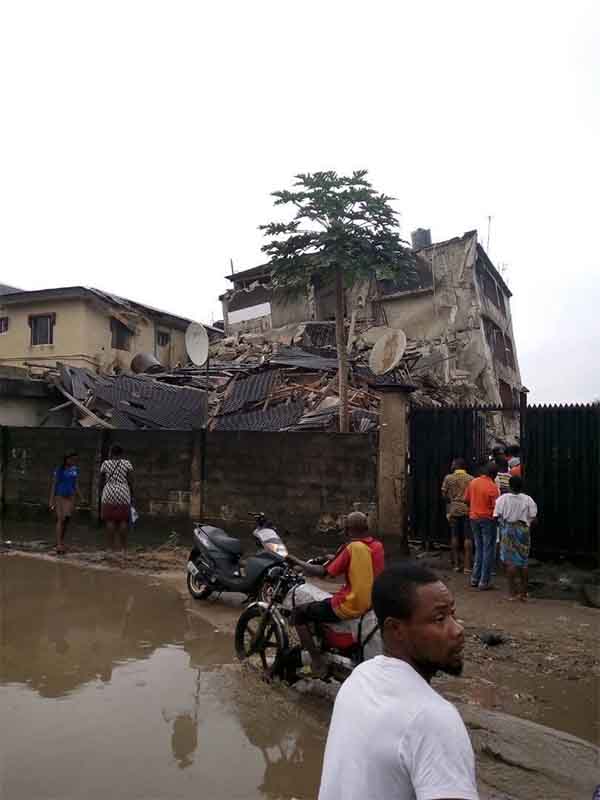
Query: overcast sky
(140,140)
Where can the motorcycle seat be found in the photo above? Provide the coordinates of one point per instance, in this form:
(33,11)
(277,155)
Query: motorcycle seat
(224,542)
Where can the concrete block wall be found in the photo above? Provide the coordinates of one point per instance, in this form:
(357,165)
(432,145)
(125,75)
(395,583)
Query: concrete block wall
(32,454)
(299,479)
(161,463)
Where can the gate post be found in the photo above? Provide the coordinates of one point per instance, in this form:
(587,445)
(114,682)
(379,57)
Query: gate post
(197,473)
(392,461)
(523,427)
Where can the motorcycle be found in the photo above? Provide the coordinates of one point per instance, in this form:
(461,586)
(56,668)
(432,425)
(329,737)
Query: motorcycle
(215,562)
(264,633)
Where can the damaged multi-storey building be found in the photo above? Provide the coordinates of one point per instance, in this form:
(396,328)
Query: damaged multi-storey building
(457,317)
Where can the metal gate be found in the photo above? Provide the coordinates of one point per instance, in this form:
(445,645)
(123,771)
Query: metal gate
(562,474)
(437,436)
(561,466)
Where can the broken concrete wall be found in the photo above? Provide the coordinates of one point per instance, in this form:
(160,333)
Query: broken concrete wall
(247,310)
(447,320)
(448,305)
(23,401)
(288,308)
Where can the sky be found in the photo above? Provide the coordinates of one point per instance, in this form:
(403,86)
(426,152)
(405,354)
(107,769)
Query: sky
(140,141)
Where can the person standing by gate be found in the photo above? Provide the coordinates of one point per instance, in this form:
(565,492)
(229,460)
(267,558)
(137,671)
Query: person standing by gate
(515,512)
(514,460)
(503,476)
(454,487)
(481,495)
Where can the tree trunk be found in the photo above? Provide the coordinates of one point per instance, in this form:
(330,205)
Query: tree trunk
(341,350)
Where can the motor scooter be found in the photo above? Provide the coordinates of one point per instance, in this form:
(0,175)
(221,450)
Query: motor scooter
(215,562)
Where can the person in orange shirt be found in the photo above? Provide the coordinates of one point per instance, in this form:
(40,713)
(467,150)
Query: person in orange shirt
(481,495)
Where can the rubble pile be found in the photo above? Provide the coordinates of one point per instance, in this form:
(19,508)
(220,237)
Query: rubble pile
(124,401)
(283,380)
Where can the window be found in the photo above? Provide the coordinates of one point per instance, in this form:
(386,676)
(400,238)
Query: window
(163,339)
(3,325)
(491,290)
(506,395)
(509,352)
(121,335)
(42,329)
(500,343)
(501,302)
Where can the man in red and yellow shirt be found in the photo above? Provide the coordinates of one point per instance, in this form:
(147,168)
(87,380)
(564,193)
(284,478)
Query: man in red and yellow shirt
(360,561)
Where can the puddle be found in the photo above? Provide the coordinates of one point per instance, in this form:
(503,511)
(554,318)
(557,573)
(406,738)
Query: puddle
(109,687)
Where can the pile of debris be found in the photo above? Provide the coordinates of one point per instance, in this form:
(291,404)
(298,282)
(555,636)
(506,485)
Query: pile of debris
(287,379)
(130,402)
(283,380)
(295,398)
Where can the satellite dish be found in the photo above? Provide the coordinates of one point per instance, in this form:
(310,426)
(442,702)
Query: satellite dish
(196,344)
(387,353)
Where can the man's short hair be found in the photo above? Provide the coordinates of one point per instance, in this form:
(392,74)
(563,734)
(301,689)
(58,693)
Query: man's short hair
(502,463)
(513,450)
(516,483)
(490,469)
(395,590)
(459,463)
(357,521)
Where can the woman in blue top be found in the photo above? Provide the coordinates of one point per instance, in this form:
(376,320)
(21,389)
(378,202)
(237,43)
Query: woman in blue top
(62,496)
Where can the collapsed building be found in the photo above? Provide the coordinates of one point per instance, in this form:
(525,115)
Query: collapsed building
(276,368)
(456,318)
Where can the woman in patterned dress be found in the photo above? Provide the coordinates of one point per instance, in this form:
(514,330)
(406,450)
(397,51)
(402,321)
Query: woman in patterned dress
(516,512)
(116,490)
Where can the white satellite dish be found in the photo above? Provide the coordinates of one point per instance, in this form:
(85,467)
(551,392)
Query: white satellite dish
(387,353)
(196,344)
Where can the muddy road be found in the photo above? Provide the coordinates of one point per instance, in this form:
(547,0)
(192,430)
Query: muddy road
(111,687)
(118,684)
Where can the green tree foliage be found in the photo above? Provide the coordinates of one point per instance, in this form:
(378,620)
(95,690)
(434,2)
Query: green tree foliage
(342,231)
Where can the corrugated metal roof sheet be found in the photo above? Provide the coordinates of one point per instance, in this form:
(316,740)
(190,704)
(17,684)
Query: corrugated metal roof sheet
(295,357)
(272,419)
(248,390)
(6,289)
(139,401)
(319,420)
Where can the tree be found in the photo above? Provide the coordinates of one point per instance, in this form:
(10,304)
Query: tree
(343,231)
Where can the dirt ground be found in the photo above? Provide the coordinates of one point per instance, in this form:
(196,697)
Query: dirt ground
(545,669)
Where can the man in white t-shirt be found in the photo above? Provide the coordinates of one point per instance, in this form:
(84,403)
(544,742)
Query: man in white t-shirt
(393,737)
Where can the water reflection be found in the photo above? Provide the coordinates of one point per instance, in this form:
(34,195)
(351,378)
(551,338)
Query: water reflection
(64,626)
(111,673)
(291,751)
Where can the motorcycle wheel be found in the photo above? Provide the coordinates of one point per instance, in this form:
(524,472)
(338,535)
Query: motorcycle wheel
(268,656)
(197,588)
